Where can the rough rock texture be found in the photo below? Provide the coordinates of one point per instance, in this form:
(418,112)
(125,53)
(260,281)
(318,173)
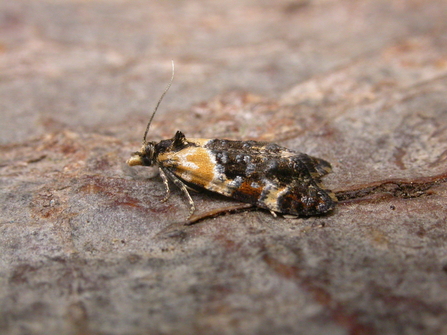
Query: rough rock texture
(86,245)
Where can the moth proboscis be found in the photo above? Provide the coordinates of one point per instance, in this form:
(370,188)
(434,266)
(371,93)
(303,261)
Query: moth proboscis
(260,173)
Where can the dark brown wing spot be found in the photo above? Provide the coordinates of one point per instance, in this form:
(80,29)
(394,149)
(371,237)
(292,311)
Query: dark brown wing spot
(248,192)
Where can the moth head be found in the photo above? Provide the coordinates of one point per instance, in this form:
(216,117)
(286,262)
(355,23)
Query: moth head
(145,157)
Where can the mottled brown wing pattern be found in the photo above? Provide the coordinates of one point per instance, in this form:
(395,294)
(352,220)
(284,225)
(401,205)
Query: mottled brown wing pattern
(266,175)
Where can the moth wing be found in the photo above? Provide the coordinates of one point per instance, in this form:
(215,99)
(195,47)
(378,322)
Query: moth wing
(196,167)
(318,167)
(299,199)
(284,188)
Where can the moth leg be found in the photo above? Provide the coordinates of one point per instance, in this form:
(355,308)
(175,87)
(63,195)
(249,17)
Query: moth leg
(273,213)
(183,188)
(166,182)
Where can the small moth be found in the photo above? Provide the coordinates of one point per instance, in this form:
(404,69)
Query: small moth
(260,173)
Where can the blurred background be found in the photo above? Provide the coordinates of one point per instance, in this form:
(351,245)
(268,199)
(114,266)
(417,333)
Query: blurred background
(97,63)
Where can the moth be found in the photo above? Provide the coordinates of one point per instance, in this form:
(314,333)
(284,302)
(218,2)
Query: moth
(263,174)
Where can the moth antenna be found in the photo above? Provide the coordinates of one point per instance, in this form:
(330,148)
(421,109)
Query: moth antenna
(158,103)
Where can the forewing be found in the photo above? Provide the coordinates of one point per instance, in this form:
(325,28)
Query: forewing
(266,175)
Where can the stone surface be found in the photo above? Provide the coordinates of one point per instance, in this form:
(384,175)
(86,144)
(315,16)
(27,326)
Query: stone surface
(87,246)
